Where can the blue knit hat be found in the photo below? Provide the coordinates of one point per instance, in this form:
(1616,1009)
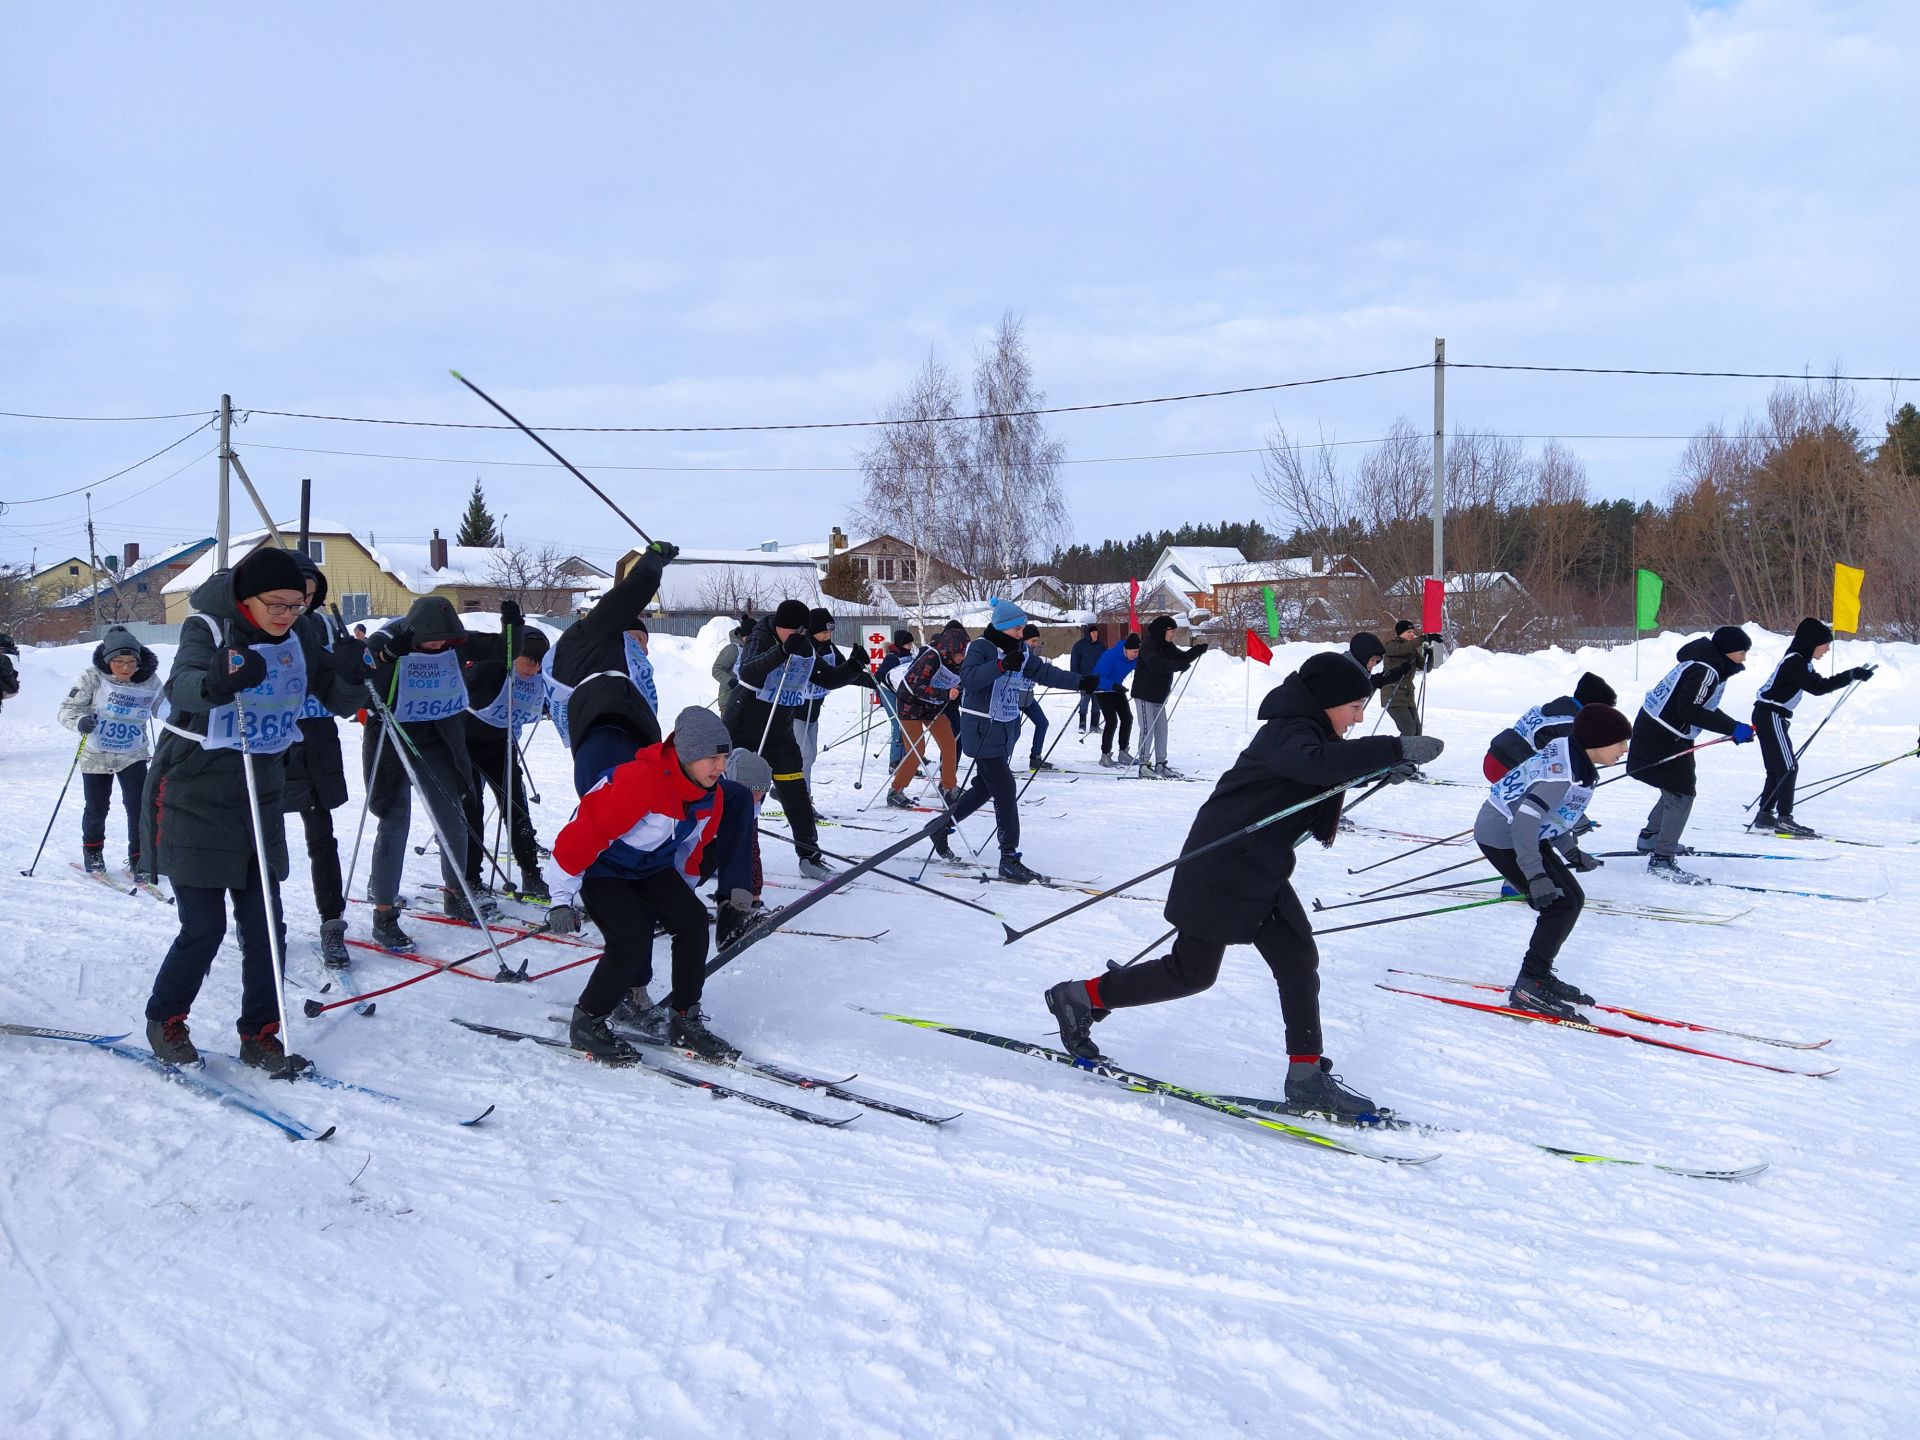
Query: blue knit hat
(1007,616)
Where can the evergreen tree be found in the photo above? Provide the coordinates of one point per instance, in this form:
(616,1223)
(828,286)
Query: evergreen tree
(1902,447)
(476,526)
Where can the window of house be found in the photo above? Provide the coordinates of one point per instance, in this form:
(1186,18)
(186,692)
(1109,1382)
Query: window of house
(355,606)
(859,565)
(317,551)
(884,564)
(909,569)
(140,587)
(73,569)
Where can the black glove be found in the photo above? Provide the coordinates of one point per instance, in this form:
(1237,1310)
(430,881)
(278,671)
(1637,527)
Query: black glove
(350,661)
(667,551)
(510,613)
(866,681)
(1089,684)
(1199,649)
(563,920)
(1399,775)
(1001,640)
(87,724)
(1862,672)
(1584,862)
(1430,639)
(1542,892)
(399,642)
(233,671)
(799,645)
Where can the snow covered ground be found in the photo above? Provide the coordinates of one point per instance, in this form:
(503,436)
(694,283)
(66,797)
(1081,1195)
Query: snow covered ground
(610,1253)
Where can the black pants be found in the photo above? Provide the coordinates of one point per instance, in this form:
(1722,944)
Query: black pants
(1776,748)
(323,859)
(203,925)
(1552,925)
(627,912)
(1193,964)
(98,790)
(1114,707)
(748,724)
(489,754)
(993,780)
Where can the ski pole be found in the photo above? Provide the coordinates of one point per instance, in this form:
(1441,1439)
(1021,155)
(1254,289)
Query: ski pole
(919,885)
(1409,854)
(56,806)
(314,1009)
(1829,789)
(533,794)
(1765,798)
(1421,914)
(1413,879)
(1143,952)
(1860,770)
(1043,759)
(865,731)
(269,882)
(917,750)
(1403,894)
(1242,833)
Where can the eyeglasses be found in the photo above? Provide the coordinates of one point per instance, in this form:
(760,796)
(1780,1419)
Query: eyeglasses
(275,607)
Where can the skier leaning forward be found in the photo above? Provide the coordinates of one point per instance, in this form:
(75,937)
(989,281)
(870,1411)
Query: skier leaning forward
(1240,895)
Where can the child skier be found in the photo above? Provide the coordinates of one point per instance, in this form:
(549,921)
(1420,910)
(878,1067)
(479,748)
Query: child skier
(1773,711)
(1525,827)
(1240,895)
(893,664)
(241,677)
(1366,651)
(1110,674)
(776,663)
(928,690)
(1160,660)
(1037,751)
(110,705)
(1675,711)
(632,854)
(1541,725)
(500,688)
(831,670)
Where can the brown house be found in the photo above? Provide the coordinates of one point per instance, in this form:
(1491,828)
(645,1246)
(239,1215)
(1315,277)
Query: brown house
(885,560)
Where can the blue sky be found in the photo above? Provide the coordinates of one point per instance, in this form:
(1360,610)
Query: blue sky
(624,214)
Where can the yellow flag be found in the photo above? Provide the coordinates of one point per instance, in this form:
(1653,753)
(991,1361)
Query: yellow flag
(1846,598)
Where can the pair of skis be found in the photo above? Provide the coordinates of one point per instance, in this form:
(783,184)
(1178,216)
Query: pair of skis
(124,882)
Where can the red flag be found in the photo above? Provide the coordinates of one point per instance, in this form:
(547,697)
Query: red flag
(1432,602)
(1133,614)
(1257,649)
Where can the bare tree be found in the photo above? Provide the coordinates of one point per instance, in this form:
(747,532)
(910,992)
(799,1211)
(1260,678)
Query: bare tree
(738,590)
(1018,512)
(534,577)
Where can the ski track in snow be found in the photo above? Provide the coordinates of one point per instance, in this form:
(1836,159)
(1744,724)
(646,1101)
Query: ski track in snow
(611,1251)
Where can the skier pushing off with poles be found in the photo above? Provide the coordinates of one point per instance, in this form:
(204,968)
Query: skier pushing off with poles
(1773,710)
(1526,828)
(1407,653)
(776,663)
(600,679)
(239,682)
(927,692)
(109,705)
(1241,895)
(1542,725)
(1160,661)
(1675,711)
(831,670)
(503,690)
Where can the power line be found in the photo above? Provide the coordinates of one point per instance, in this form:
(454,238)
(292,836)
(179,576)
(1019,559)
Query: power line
(1696,374)
(108,419)
(53,527)
(92,485)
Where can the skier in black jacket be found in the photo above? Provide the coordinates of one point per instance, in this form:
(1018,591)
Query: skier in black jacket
(1240,895)
(776,663)
(1541,726)
(1773,711)
(594,674)
(493,750)
(1160,661)
(831,670)
(1683,704)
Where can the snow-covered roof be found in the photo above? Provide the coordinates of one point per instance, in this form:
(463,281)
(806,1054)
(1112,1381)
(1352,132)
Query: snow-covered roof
(146,564)
(1185,566)
(1466,582)
(408,562)
(1267,572)
(725,580)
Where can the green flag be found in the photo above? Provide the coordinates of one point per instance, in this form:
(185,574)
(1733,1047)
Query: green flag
(1273,616)
(1646,600)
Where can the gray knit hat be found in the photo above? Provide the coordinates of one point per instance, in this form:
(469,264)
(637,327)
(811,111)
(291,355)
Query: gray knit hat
(746,768)
(698,733)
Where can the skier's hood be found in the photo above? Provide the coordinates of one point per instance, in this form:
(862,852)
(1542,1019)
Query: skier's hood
(432,617)
(1809,635)
(1705,652)
(1291,700)
(1366,646)
(120,638)
(952,643)
(316,575)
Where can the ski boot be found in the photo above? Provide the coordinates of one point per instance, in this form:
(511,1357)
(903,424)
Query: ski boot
(1312,1085)
(93,859)
(897,800)
(454,906)
(951,797)
(1663,867)
(1072,1011)
(1766,820)
(170,1042)
(333,945)
(263,1050)
(1039,763)
(387,933)
(1645,843)
(1126,760)
(1014,869)
(814,866)
(1107,762)
(941,847)
(1562,990)
(1529,994)
(533,887)
(688,1030)
(1164,771)
(589,1035)
(1789,828)
(1147,771)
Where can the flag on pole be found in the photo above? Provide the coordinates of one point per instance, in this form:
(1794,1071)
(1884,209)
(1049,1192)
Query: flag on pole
(1257,649)
(1846,598)
(1273,621)
(1133,602)
(1647,589)
(1433,596)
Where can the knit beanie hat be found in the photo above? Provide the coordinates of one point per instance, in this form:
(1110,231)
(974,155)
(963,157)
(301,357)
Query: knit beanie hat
(1132,642)
(1400,627)
(534,644)
(1007,616)
(698,734)
(818,620)
(1160,626)
(746,768)
(1599,725)
(1030,632)
(119,641)
(1334,680)
(903,638)
(313,573)
(1366,646)
(268,568)
(1729,638)
(1592,690)
(792,615)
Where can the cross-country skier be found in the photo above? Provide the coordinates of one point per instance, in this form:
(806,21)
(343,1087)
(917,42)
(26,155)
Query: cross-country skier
(893,664)
(831,670)
(1110,674)
(1240,895)
(1160,661)
(1037,750)
(997,675)
(242,674)
(727,663)
(1675,711)
(1526,828)
(1543,724)
(110,705)
(317,777)
(776,663)
(599,676)
(491,751)
(632,854)
(1773,711)
(1405,655)
(928,692)
(1082,659)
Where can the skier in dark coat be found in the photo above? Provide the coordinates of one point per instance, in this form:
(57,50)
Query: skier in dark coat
(317,777)
(1408,653)
(1366,651)
(1082,659)
(1542,725)
(1240,895)
(831,671)
(597,673)
(1669,724)
(776,662)
(1773,711)
(241,675)
(502,689)
(1160,661)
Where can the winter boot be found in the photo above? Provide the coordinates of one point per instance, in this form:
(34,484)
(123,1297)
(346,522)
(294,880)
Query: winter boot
(1766,820)
(1014,869)
(1529,994)
(333,944)
(94,859)
(1665,869)
(533,887)
(1312,1085)
(1147,771)
(897,800)
(169,1041)
(453,904)
(1793,830)
(815,867)
(1072,1011)
(1126,760)
(941,846)
(1107,762)
(688,1030)
(1562,990)
(1167,772)
(590,1035)
(1040,762)
(387,932)
(263,1050)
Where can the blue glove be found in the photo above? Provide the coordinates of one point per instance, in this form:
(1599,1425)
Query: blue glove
(1742,733)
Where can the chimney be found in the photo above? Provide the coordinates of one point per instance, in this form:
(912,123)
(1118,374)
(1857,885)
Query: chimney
(129,555)
(437,553)
(836,542)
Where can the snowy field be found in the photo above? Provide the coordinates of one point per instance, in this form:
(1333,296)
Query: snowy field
(611,1254)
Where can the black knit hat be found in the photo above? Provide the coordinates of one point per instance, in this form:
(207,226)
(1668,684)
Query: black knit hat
(792,615)
(640,625)
(1161,625)
(534,644)
(268,568)
(1334,680)
(818,620)
(1400,627)
(1592,690)
(1598,725)
(903,637)
(313,573)
(1366,646)
(1029,632)
(1132,642)
(1729,638)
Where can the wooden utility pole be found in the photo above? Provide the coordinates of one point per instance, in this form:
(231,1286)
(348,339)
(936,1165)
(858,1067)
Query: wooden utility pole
(226,460)
(1439,460)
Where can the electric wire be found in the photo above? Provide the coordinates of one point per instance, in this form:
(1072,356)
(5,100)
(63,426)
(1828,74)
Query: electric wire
(95,484)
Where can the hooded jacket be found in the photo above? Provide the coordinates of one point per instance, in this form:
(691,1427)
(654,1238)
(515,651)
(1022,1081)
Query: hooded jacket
(592,659)
(1227,894)
(981,736)
(195,825)
(441,744)
(921,698)
(1086,652)
(84,699)
(1674,713)
(1160,660)
(1795,676)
